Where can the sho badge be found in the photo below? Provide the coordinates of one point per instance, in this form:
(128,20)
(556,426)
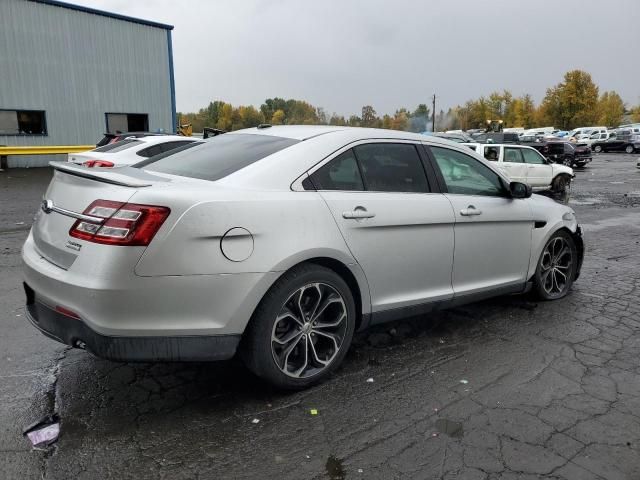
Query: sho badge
(74,246)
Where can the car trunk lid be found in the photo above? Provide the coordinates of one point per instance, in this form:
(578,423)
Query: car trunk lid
(72,189)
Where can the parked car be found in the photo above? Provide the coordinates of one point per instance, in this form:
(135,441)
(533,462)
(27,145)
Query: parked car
(526,164)
(118,136)
(566,153)
(620,140)
(129,150)
(281,242)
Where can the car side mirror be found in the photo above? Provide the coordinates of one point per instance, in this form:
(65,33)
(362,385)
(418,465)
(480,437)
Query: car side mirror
(520,190)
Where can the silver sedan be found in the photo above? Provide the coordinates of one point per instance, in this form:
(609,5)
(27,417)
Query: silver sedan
(279,242)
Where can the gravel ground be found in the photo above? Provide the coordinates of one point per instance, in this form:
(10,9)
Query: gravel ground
(503,389)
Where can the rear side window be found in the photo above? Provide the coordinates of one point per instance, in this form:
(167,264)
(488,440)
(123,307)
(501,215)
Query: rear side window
(118,146)
(391,167)
(218,157)
(341,173)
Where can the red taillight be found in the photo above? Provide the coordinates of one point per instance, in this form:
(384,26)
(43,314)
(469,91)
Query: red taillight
(122,223)
(98,163)
(66,312)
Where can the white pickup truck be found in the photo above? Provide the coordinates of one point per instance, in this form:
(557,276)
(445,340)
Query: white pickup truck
(525,164)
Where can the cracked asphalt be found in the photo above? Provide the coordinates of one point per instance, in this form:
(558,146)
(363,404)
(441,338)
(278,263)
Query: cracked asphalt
(503,389)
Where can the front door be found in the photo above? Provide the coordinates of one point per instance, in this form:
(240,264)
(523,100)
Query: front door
(397,230)
(492,231)
(539,172)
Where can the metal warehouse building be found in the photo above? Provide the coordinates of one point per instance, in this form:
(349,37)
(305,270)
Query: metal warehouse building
(69,73)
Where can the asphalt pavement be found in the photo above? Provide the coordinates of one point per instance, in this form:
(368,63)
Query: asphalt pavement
(503,389)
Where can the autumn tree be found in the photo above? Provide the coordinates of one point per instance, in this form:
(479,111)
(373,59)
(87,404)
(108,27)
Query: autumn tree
(571,103)
(611,109)
(278,117)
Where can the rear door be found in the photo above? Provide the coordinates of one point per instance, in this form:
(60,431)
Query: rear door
(492,230)
(513,164)
(396,228)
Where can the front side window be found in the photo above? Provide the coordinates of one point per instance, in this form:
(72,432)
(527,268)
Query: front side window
(465,175)
(532,157)
(391,167)
(341,173)
(22,122)
(512,155)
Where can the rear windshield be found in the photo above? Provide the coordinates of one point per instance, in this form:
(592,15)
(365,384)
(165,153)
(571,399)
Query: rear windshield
(218,157)
(118,146)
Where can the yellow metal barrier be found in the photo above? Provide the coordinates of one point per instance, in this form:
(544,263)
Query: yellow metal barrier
(45,150)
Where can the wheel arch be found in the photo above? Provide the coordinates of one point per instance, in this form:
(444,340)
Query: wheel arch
(341,264)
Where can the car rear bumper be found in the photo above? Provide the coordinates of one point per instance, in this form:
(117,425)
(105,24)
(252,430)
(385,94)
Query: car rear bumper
(74,332)
(115,303)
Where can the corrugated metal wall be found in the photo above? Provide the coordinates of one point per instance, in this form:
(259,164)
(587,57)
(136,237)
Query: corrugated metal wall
(78,66)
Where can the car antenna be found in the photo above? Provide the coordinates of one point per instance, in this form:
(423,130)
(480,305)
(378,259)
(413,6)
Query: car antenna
(264,125)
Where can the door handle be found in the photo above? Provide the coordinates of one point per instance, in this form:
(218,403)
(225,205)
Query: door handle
(358,213)
(470,211)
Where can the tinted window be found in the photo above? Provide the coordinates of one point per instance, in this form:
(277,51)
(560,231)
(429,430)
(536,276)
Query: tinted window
(341,173)
(119,146)
(465,175)
(391,167)
(217,157)
(533,157)
(168,146)
(150,151)
(512,155)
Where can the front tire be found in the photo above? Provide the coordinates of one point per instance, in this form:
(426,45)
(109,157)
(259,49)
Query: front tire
(597,149)
(556,268)
(302,328)
(561,184)
(629,149)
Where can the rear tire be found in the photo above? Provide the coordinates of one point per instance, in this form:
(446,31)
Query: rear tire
(302,328)
(629,149)
(556,268)
(597,149)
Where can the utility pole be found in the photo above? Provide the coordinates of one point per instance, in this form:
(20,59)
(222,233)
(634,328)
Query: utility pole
(433,114)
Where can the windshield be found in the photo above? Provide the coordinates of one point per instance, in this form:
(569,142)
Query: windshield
(218,157)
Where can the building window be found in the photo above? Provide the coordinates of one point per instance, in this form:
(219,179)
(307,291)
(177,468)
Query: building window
(127,122)
(22,122)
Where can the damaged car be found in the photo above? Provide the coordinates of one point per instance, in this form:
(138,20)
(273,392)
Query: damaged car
(278,243)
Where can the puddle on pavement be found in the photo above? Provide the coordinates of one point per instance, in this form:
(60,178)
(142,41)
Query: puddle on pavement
(449,427)
(334,467)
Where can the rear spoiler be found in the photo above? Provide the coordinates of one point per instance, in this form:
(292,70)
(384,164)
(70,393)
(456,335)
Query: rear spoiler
(124,176)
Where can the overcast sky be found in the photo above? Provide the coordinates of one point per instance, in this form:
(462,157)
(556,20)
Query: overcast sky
(342,54)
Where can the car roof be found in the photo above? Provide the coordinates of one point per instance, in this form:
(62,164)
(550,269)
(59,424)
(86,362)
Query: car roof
(305,132)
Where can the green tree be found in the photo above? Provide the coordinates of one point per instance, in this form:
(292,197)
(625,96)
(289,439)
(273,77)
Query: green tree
(419,120)
(337,120)
(249,116)
(369,117)
(611,109)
